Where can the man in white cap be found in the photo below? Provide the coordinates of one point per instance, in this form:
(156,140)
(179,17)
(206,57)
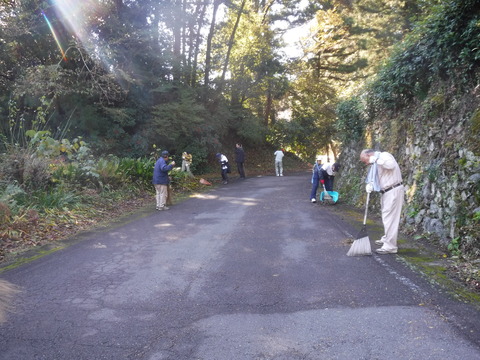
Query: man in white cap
(385,177)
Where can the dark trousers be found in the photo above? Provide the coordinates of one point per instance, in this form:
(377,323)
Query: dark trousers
(315,182)
(224,175)
(329,182)
(240,169)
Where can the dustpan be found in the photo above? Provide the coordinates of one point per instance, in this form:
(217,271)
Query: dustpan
(333,195)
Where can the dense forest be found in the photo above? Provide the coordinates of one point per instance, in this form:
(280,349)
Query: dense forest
(91,90)
(189,75)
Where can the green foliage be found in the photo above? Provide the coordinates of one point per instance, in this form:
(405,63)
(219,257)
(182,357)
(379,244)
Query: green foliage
(46,146)
(476,216)
(29,117)
(433,171)
(474,132)
(291,134)
(351,120)
(444,45)
(57,198)
(250,129)
(63,173)
(139,171)
(108,172)
(8,194)
(181,120)
(454,246)
(200,155)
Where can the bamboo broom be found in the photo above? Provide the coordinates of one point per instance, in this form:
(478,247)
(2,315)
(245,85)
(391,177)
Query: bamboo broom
(361,246)
(326,196)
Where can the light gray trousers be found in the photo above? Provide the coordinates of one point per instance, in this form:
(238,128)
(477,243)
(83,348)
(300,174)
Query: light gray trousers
(279,168)
(392,202)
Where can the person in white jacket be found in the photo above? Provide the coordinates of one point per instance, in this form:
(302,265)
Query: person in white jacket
(279,162)
(329,171)
(224,167)
(385,177)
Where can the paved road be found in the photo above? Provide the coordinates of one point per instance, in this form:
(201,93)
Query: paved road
(250,270)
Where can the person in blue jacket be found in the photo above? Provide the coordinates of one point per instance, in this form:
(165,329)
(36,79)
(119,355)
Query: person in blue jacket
(161,179)
(317,177)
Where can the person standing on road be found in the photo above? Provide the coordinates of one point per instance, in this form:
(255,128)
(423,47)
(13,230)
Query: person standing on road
(385,177)
(224,167)
(161,179)
(186,162)
(240,159)
(317,177)
(329,171)
(279,162)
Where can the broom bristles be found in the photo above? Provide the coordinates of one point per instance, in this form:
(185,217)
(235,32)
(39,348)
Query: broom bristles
(360,247)
(327,198)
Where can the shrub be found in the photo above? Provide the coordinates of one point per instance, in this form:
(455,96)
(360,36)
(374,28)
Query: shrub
(57,198)
(108,172)
(350,120)
(138,170)
(444,45)
(36,173)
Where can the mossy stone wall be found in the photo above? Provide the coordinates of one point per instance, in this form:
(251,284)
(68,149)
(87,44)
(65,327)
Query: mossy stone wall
(436,142)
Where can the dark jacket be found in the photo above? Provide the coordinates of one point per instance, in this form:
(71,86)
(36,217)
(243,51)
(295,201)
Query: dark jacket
(239,155)
(160,172)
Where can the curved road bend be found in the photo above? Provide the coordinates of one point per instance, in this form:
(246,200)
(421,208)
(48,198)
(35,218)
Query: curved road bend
(248,271)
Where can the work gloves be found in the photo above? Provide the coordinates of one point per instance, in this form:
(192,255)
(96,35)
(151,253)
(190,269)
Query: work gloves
(376,159)
(369,188)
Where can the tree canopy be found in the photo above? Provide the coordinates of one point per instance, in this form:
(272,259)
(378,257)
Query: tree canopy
(190,75)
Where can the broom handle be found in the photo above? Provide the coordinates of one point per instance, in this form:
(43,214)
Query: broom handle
(366,209)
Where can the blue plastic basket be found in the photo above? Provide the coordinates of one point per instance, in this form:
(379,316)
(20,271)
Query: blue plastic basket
(333,194)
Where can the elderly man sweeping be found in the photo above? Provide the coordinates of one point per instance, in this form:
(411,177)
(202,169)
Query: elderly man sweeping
(384,176)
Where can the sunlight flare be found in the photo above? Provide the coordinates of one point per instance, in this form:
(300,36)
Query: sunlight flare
(54,34)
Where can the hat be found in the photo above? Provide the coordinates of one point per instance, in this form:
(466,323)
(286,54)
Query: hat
(319,157)
(165,153)
(218,155)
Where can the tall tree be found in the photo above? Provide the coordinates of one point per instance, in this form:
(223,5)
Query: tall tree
(208,51)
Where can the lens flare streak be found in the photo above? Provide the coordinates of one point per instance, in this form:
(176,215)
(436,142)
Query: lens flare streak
(55,36)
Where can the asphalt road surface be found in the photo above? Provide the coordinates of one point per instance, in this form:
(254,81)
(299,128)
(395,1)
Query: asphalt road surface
(247,271)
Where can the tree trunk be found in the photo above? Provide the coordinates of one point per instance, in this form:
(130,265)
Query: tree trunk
(208,55)
(230,44)
(268,106)
(194,41)
(177,39)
